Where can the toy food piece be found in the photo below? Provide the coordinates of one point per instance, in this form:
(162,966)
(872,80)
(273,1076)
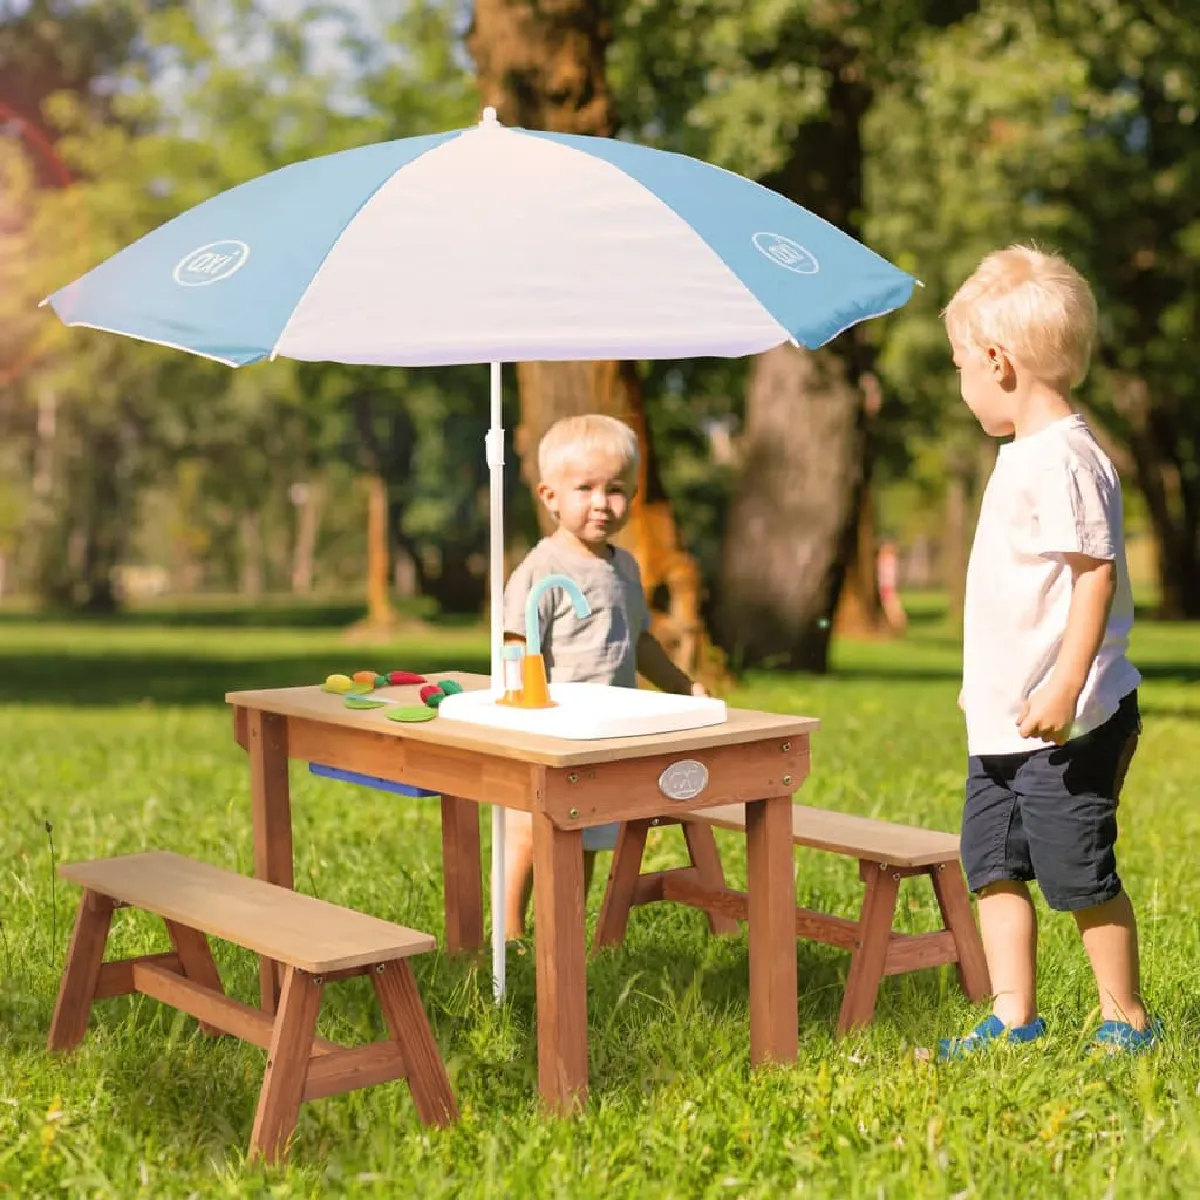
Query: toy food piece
(450,687)
(363,703)
(381,681)
(400,678)
(411,714)
(426,692)
(359,689)
(338,684)
(367,677)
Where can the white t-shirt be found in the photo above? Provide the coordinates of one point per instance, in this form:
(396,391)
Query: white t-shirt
(1052,493)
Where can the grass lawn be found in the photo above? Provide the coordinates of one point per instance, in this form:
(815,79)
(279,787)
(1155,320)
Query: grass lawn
(115,737)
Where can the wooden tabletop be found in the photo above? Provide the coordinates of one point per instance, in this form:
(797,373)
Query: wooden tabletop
(311,703)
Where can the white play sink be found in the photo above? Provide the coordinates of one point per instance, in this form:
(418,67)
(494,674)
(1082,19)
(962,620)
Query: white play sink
(585,711)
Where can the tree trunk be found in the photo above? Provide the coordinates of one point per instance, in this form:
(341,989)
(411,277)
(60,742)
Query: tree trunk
(308,499)
(794,510)
(251,574)
(542,66)
(860,607)
(380,614)
(793,526)
(1172,492)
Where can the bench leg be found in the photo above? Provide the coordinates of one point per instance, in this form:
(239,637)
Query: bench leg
(287,1065)
(82,971)
(959,918)
(706,858)
(870,953)
(622,884)
(195,957)
(462,874)
(407,1023)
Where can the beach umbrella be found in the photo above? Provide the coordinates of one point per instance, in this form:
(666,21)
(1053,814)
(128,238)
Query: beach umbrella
(488,245)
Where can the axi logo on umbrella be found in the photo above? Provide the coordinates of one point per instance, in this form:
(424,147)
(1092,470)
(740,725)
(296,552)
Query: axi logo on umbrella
(211,263)
(783,252)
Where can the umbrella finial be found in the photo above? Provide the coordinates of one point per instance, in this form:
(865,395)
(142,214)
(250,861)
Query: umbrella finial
(489,116)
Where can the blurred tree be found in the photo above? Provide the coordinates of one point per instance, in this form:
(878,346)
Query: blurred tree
(542,66)
(779,91)
(1075,126)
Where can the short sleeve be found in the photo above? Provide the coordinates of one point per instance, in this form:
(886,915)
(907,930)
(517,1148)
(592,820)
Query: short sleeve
(516,592)
(1076,511)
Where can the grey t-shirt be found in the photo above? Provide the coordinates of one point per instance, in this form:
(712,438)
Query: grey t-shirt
(602,648)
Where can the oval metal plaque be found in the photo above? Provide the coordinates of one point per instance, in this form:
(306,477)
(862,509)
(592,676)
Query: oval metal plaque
(683,780)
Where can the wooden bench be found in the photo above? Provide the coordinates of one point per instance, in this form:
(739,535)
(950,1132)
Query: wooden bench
(316,942)
(886,853)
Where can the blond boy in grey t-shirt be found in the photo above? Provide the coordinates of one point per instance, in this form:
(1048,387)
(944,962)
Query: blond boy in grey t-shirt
(588,468)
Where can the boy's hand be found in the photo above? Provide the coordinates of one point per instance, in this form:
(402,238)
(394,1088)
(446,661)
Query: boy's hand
(698,689)
(1048,714)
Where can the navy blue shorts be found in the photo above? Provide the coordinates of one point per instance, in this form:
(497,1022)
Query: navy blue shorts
(1051,815)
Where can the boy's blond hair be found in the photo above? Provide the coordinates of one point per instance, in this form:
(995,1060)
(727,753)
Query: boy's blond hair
(1032,304)
(573,438)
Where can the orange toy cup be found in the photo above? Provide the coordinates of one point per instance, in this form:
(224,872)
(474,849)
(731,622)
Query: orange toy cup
(534,691)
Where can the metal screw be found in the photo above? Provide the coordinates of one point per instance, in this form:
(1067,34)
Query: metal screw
(573,814)
(787,779)
(572,778)
(896,876)
(318,979)
(786,747)
(379,968)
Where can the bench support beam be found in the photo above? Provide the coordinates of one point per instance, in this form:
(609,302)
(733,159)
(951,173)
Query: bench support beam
(876,949)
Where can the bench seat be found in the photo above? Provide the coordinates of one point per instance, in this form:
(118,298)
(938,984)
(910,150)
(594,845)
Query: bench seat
(315,941)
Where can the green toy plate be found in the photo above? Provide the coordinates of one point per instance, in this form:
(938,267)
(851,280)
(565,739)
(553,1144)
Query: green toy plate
(363,703)
(411,714)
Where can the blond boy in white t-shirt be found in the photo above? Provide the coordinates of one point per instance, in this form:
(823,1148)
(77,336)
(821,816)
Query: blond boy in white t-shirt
(1049,696)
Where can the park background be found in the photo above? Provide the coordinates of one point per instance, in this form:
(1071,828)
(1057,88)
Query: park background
(170,530)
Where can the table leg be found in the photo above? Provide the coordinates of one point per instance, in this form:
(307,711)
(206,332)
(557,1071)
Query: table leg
(561,965)
(271,811)
(462,874)
(771,892)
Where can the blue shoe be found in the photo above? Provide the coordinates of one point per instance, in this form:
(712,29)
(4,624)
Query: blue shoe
(987,1032)
(1119,1037)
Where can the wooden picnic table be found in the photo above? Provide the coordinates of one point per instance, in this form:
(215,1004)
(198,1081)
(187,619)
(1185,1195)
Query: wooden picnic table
(754,758)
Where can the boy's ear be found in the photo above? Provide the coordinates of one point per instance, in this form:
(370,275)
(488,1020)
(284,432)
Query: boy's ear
(999,361)
(545,494)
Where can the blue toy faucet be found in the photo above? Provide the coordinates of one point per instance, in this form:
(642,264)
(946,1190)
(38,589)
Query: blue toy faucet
(533,632)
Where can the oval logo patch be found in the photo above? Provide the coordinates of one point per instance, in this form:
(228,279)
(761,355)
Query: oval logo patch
(683,780)
(783,252)
(211,263)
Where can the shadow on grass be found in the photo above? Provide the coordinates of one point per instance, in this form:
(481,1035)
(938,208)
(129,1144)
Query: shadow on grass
(907,672)
(333,615)
(93,679)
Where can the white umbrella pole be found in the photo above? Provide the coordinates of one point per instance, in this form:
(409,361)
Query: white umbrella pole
(495,461)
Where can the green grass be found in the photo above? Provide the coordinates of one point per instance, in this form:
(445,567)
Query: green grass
(116,735)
